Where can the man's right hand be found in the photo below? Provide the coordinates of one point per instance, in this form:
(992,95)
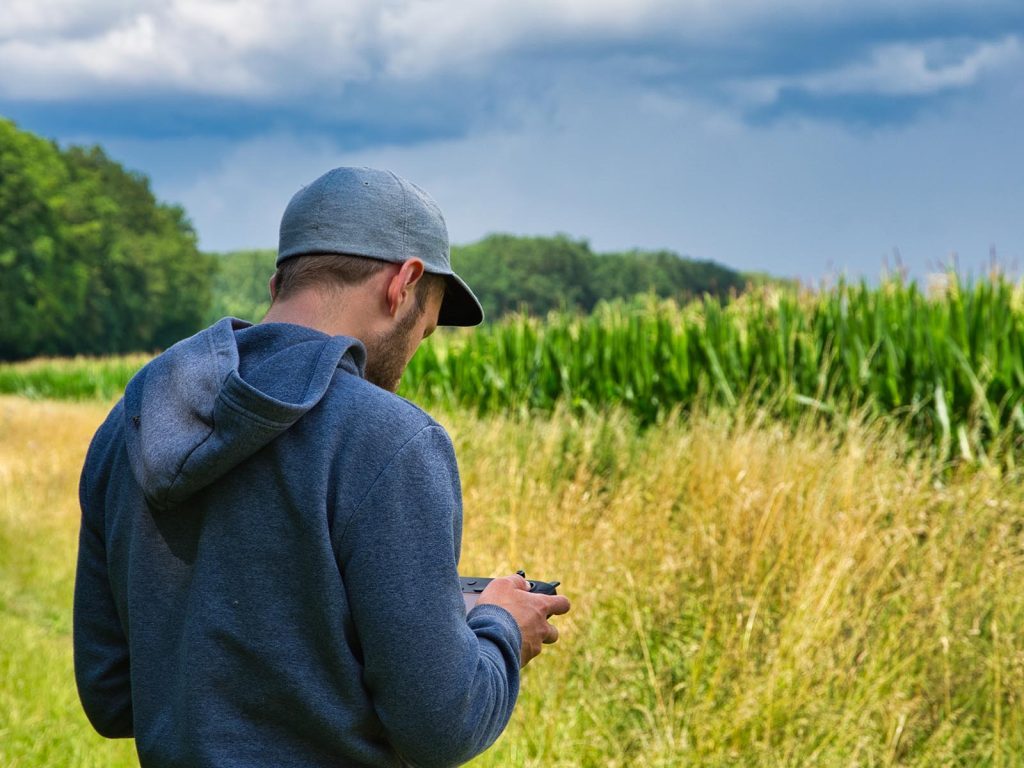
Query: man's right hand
(530,610)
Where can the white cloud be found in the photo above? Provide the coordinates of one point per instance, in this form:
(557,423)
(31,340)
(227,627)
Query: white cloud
(898,70)
(461,33)
(30,19)
(243,48)
(909,70)
(263,49)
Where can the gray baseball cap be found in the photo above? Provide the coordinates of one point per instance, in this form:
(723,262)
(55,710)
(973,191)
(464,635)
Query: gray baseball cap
(378,215)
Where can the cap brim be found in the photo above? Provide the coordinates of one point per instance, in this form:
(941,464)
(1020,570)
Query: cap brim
(459,306)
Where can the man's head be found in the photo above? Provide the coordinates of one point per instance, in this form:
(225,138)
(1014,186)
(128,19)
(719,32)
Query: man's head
(391,308)
(365,253)
(377,215)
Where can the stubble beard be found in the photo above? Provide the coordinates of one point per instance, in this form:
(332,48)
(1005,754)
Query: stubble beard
(385,354)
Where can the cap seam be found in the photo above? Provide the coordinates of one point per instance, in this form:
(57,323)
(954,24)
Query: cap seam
(318,218)
(407,211)
(405,215)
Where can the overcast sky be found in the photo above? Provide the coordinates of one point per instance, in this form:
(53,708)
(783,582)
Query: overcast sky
(802,137)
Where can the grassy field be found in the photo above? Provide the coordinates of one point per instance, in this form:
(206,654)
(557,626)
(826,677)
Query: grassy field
(745,593)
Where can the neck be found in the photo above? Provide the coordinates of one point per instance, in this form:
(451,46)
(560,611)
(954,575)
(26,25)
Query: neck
(338,315)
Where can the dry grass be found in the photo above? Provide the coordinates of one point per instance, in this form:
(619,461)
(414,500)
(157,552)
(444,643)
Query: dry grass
(743,594)
(41,723)
(746,595)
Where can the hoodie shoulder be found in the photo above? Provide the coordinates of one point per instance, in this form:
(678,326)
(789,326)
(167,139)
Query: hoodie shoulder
(370,428)
(384,419)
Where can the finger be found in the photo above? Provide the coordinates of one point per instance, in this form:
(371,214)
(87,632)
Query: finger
(551,634)
(557,605)
(519,582)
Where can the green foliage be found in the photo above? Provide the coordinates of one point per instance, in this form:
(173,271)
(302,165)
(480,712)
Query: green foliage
(662,273)
(536,273)
(92,264)
(240,285)
(540,274)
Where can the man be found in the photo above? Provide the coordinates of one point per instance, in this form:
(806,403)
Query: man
(267,562)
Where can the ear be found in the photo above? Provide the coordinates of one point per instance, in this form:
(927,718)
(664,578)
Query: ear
(272,287)
(403,283)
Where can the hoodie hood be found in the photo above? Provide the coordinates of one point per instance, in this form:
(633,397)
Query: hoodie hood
(212,400)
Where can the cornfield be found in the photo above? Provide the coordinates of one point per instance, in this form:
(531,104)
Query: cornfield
(79,378)
(951,367)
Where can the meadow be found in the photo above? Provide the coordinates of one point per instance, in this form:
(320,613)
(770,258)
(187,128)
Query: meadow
(763,573)
(744,593)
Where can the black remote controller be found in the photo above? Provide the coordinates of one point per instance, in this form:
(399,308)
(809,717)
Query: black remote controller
(472,586)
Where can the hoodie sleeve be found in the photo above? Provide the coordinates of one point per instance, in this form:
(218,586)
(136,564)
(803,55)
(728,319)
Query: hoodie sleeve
(100,648)
(443,686)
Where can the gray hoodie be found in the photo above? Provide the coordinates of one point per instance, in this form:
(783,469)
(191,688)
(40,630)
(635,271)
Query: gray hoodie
(267,570)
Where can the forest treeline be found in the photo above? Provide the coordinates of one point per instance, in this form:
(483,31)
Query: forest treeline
(92,263)
(512,273)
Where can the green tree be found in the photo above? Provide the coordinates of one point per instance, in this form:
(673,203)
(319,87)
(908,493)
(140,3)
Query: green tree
(91,262)
(240,285)
(33,303)
(539,273)
(544,273)
(664,273)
